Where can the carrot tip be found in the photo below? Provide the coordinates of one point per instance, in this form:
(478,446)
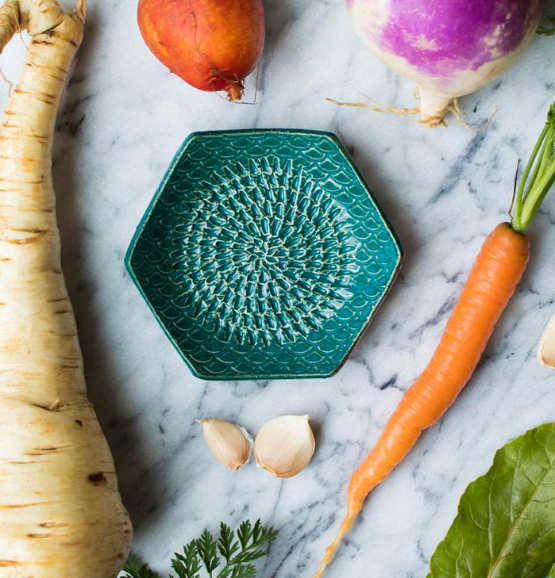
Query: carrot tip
(330,550)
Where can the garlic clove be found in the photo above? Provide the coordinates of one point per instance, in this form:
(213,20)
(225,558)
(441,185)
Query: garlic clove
(285,445)
(546,351)
(230,443)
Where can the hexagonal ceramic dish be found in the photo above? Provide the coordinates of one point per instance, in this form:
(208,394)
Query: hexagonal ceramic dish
(263,254)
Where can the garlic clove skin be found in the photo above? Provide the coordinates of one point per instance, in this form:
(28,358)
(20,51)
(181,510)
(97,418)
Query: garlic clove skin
(285,445)
(546,350)
(230,444)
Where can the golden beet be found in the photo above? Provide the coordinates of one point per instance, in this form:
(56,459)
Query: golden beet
(211,44)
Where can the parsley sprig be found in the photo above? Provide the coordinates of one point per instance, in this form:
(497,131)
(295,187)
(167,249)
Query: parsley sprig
(135,568)
(231,555)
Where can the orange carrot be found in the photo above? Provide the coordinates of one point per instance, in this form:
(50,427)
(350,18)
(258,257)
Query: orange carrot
(492,282)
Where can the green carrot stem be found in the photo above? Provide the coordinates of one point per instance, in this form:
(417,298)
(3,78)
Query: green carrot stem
(524,179)
(534,202)
(537,178)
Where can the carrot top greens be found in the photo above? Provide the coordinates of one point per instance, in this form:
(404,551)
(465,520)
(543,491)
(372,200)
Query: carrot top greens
(231,555)
(538,176)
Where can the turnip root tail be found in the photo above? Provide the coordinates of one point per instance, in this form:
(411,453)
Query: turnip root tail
(61,515)
(434,107)
(431,113)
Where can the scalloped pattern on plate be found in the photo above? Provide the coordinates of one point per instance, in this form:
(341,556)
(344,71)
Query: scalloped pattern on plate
(263,254)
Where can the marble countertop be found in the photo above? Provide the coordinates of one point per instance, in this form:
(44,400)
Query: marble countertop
(443,190)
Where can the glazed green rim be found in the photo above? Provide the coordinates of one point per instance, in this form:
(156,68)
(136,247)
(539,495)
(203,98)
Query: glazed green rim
(152,204)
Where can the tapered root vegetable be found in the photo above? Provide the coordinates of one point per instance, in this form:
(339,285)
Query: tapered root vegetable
(61,515)
(491,284)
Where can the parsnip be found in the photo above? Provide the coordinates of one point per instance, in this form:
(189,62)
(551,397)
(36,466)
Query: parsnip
(61,515)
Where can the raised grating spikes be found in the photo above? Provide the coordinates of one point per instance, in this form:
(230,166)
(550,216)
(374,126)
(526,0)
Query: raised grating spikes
(277,253)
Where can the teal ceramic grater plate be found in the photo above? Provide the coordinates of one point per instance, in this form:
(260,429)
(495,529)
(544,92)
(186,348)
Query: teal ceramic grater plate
(263,254)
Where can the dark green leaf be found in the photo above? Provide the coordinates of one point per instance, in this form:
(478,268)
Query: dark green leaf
(207,549)
(257,531)
(240,571)
(136,568)
(248,571)
(248,556)
(505,526)
(187,565)
(244,533)
(265,535)
(227,545)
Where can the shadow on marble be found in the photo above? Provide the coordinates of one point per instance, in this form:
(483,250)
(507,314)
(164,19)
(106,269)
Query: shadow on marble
(138,479)
(278,16)
(391,203)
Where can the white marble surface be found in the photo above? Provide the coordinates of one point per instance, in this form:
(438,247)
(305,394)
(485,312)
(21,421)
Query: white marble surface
(443,190)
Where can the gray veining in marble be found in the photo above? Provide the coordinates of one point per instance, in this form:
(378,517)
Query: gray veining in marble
(444,190)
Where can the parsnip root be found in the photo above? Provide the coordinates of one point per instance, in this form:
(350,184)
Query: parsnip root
(61,515)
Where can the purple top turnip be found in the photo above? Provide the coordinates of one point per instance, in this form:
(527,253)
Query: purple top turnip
(448,47)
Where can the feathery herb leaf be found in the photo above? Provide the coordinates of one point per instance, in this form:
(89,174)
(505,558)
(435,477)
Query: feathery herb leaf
(227,546)
(136,568)
(229,556)
(187,565)
(207,549)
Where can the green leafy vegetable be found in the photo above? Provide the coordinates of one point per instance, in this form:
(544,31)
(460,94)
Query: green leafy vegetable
(229,556)
(505,526)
